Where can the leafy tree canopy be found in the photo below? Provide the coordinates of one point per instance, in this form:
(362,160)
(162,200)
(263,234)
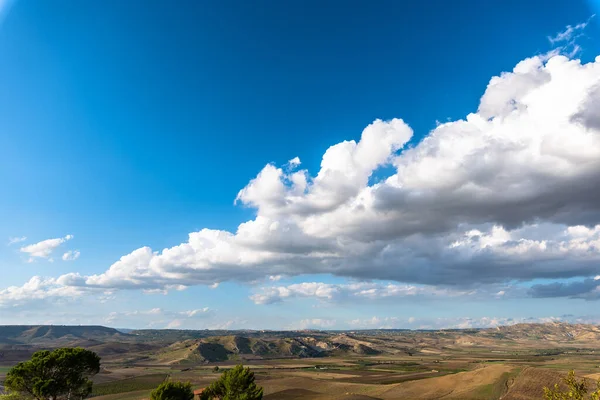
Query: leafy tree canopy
(235,384)
(575,390)
(54,375)
(173,391)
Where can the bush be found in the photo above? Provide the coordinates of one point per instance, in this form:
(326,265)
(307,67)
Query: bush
(235,384)
(173,391)
(576,390)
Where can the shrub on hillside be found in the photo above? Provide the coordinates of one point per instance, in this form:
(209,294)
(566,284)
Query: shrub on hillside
(235,384)
(173,391)
(575,390)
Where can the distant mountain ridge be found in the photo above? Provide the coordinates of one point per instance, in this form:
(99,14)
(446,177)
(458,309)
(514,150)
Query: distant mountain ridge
(554,331)
(57,334)
(90,335)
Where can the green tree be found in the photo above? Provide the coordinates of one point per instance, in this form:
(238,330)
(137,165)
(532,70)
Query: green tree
(235,384)
(54,375)
(575,390)
(173,391)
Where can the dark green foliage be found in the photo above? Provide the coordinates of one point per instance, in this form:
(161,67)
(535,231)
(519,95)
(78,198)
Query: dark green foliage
(216,368)
(173,391)
(55,375)
(235,384)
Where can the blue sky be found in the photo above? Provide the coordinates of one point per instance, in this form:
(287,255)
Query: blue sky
(126,126)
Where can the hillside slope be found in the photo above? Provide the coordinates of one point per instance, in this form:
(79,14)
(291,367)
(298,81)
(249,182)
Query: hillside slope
(53,335)
(222,348)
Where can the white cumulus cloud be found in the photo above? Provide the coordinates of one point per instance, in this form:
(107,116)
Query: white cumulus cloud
(44,248)
(507,193)
(37,289)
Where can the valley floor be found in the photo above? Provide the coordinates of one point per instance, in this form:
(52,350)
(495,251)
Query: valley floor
(455,375)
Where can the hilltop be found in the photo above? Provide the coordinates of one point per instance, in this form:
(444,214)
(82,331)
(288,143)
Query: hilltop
(551,331)
(52,335)
(223,348)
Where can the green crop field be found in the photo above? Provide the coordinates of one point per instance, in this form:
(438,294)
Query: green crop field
(144,382)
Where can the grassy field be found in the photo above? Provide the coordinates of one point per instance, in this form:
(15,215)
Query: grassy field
(138,383)
(138,395)
(453,374)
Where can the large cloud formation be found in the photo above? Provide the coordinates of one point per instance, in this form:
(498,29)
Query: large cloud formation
(509,193)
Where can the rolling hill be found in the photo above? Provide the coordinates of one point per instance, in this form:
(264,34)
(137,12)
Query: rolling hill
(55,335)
(206,345)
(223,348)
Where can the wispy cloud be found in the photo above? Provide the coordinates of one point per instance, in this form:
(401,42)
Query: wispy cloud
(566,38)
(570,32)
(13,240)
(314,323)
(158,317)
